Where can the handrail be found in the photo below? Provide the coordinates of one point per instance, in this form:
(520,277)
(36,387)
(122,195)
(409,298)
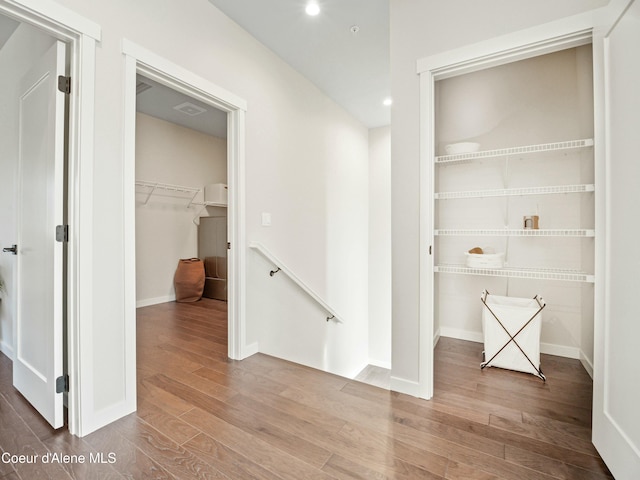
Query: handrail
(281,267)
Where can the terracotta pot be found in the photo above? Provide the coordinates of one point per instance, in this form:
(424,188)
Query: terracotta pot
(189,280)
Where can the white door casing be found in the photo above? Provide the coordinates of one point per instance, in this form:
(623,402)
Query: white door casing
(616,418)
(140,60)
(39,314)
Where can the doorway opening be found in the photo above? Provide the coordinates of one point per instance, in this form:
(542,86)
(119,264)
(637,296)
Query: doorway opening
(181,191)
(532,158)
(181,222)
(524,149)
(436,263)
(141,63)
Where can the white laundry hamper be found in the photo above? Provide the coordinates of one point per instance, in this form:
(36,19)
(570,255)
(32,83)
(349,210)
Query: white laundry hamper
(511,328)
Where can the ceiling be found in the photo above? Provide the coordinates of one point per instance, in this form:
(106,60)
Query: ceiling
(158,100)
(7,27)
(349,64)
(162,102)
(351,68)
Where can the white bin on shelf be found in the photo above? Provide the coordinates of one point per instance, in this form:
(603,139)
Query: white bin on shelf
(511,328)
(485,260)
(216,193)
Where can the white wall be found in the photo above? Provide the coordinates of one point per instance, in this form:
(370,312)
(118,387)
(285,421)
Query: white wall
(333,263)
(306,164)
(380,247)
(419,30)
(165,227)
(23,48)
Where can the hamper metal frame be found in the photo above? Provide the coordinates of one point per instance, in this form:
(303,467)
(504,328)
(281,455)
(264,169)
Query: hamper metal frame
(512,338)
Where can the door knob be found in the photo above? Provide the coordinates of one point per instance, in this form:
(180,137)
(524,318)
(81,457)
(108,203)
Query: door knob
(12,249)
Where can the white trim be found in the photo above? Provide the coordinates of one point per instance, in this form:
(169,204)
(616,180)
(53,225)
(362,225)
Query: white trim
(386,364)
(427,240)
(80,249)
(586,363)
(236,268)
(129,403)
(600,426)
(402,385)
(357,371)
(6,349)
(461,334)
(554,36)
(542,39)
(183,80)
(51,17)
(546,348)
(81,35)
(100,418)
(436,338)
(140,60)
(560,350)
(147,302)
(251,349)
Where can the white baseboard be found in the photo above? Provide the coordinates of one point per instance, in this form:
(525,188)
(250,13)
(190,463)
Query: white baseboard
(250,349)
(403,385)
(353,374)
(461,334)
(560,350)
(586,363)
(100,418)
(6,349)
(379,363)
(547,348)
(155,301)
(436,337)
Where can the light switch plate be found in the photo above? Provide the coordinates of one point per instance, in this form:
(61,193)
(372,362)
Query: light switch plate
(266,219)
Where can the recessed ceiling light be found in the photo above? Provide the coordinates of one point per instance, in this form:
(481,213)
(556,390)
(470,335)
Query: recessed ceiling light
(312,9)
(387,101)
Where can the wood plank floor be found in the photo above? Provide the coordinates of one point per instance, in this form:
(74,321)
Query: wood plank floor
(203,416)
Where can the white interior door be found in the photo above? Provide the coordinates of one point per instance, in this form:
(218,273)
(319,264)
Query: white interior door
(38,341)
(616,413)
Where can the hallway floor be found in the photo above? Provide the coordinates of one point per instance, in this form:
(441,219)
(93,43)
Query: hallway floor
(203,416)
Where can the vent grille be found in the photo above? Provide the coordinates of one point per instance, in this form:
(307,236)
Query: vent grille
(190,109)
(142,87)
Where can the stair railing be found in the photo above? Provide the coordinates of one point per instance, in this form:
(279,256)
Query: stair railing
(279,266)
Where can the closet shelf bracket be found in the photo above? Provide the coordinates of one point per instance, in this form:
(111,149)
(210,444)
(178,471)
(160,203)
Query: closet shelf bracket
(151,188)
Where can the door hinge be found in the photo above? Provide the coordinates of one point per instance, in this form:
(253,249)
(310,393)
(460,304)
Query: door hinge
(62,233)
(62,383)
(64,84)
(228,245)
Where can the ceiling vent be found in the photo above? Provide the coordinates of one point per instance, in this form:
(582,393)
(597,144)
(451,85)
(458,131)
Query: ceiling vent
(141,87)
(190,109)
